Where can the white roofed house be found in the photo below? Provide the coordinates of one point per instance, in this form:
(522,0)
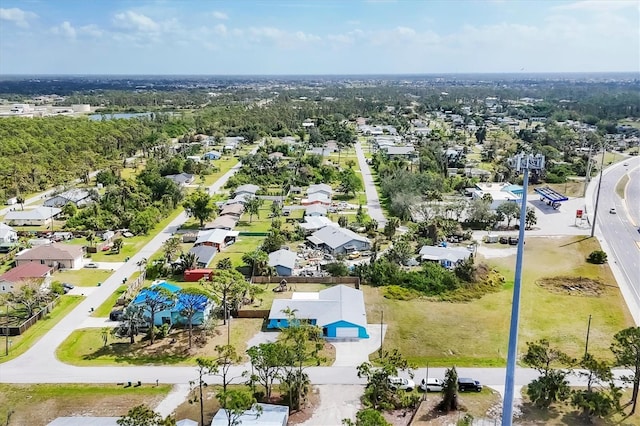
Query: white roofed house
(182,179)
(248,189)
(7,234)
(321,188)
(448,257)
(40,216)
(338,310)
(406,152)
(77,196)
(284,261)
(336,240)
(315,210)
(218,238)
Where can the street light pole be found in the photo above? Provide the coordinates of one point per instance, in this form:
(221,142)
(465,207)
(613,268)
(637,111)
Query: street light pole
(524,163)
(595,208)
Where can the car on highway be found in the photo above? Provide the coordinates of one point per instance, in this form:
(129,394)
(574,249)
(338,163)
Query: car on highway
(431,385)
(612,210)
(467,384)
(401,383)
(91,265)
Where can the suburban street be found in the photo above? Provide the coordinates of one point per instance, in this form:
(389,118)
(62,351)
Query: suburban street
(618,233)
(373,201)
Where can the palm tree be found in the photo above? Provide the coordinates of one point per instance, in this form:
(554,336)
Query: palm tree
(170,248)
(252,206)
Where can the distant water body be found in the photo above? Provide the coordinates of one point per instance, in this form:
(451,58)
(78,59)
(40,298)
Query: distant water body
(118,115)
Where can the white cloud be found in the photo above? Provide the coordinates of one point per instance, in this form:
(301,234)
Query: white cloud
(220,15)
(17,16)
(65,29)
(220,29)
(136,21)
(91,30)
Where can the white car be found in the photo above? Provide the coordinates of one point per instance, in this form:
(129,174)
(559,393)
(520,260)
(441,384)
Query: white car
(612,210)
(431,385)
(91,265)
(401,383)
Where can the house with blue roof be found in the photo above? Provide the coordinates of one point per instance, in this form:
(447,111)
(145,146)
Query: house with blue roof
(173,314)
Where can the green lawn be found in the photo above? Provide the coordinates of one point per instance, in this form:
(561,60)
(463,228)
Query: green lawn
(86,346)
(132,245)
(108,305)
(476,333)
(261,223)
(37,405)
(243,245)
(223,165)
(84,277)
(20,344)
(265,299)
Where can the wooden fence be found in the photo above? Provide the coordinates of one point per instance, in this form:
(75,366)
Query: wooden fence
(354,281)
(252,313)
(18,330)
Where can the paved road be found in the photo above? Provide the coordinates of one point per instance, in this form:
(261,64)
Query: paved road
(632,196)
(617,233)
(373,201)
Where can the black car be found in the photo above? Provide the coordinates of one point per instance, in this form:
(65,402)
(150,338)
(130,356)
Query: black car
(68,286)
(116,315)
(465,384)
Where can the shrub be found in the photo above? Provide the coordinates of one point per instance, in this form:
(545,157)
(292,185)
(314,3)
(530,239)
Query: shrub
(395,292)
(598,257)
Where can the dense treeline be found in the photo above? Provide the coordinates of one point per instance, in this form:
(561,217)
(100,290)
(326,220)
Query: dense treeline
(38,153)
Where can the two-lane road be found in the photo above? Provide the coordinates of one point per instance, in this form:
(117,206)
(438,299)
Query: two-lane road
(619,230)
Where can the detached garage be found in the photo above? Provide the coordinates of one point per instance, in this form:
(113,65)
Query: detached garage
(338,310)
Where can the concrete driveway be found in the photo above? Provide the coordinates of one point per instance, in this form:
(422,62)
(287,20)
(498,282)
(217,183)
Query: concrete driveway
(351,353)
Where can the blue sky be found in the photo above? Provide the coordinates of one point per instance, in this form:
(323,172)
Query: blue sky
(317,36)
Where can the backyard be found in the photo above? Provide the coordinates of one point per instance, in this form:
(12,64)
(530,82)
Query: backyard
(480,334)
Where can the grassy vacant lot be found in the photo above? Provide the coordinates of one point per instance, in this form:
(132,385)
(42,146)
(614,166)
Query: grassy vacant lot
(477,404)
(476,333)
(108,305)
(572,188)
(243,245)
(84,277)
(565,414)
(265,300)
(37,405)
(20,344)
(132,245)
(86,347)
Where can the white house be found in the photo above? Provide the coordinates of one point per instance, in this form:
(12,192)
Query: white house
(67,256)
(499,192)
(446,256)
(7,234)
(321,188)
(40,216)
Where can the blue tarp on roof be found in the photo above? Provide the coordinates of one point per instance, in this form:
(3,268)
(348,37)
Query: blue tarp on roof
(551,194)
(201,301)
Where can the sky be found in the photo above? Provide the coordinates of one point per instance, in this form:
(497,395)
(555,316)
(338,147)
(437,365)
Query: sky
(293,37)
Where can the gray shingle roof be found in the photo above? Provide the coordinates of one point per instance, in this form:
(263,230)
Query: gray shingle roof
(335,237)
(283,257)
(39,213)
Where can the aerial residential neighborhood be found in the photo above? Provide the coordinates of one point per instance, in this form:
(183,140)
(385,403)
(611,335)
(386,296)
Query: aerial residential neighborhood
(319,213)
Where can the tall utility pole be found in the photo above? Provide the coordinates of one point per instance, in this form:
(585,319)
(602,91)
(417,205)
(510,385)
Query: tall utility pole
(595,208)
(522,163)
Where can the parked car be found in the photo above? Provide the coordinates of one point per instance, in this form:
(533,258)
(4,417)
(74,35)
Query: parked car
(354,255)
(116,315)
(68,286)
(504,240)
(401,383)
(431,385)
(465,384)
(91,265)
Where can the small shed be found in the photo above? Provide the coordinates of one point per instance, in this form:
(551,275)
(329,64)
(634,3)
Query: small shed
(194,275)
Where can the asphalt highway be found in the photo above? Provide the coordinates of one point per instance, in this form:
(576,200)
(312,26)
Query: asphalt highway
(619,230)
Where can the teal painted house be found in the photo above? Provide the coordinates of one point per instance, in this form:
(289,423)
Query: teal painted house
(338,310)
(173,315)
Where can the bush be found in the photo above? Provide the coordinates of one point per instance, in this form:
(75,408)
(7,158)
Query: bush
(395,292)
(598,257)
